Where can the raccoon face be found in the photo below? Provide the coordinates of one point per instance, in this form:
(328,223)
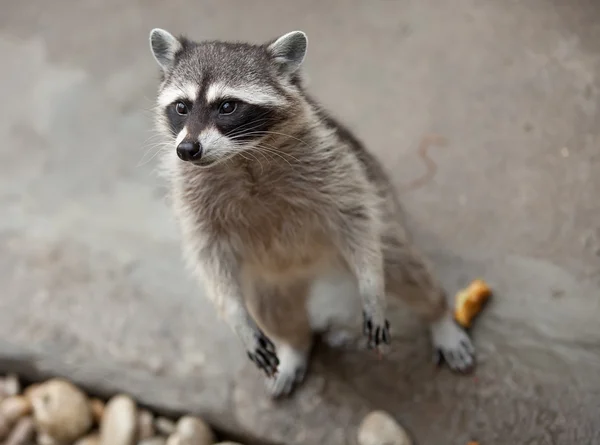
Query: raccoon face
(217,99)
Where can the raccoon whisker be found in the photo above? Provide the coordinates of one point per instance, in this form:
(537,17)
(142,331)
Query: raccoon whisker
(244,157)
(253,155)
(157,148)
(153,141)
(241,150)
(285,154)
(240,134)
(263,150)
(242,129)
(262,169)
(277,151)
(220,160)
(259,118)
(228,158)
(269,149)
(149,147)
(155,135)
(246,131)
(282,134)
(249,125)
(282,155)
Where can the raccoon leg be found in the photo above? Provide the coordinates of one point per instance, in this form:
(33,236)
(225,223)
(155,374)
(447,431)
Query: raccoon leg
(281,314)
(409,278)
(217,268)
(360,247)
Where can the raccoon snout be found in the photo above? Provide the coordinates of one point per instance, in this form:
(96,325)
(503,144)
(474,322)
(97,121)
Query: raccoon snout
(189,151)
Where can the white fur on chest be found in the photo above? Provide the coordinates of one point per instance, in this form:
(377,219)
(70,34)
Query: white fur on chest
(334,301)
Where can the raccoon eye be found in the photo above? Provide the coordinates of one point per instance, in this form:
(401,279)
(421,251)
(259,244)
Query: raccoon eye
(181,108)
(227,107)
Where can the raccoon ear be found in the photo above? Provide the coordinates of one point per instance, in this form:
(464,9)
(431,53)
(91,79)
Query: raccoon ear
(289,50)
(164,46)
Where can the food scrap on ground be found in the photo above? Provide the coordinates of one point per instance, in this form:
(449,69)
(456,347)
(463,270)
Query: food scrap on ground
(469,302)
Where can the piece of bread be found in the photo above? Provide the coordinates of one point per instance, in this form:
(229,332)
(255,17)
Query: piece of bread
(469,302)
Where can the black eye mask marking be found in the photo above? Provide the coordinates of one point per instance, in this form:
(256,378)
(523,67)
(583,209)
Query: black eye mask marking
(245,123)
(176,120)
(248,121)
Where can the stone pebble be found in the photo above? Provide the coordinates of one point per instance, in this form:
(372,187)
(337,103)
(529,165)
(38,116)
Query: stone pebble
(97,409)
(59,413)
(61,410)
(164,426)
(145,425)
(119,423)
(379,428)
(191,431)
(11,409)
(15,407)
(22,433)
(11,386)
(90,439)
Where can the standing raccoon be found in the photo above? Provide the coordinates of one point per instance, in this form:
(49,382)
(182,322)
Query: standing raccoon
(293,227)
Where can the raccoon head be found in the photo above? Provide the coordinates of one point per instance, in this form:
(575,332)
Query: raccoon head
(217,99)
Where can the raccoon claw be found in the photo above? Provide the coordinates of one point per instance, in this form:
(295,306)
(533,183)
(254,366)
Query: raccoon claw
(284,383)
(264,356)
(377,333)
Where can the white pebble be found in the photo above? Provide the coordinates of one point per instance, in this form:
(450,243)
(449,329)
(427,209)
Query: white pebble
(119,422)
(175,439)
(196,430)
(379,428)
(12,386)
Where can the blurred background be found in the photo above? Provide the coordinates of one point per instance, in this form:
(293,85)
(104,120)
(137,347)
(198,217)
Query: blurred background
(486,114)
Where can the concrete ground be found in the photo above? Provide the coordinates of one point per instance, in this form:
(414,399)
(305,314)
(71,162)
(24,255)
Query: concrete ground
(485,112)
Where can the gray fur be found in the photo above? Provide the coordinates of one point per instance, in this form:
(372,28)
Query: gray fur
(266,218)
(289,50)
(164,46)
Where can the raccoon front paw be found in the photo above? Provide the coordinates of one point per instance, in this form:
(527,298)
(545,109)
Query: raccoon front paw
(290,374)
(376,329)
(263,354)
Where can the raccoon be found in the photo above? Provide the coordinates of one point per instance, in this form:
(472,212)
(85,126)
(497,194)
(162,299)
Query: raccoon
(291,225)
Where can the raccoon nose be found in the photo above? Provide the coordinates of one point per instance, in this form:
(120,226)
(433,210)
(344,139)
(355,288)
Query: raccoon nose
(188,150)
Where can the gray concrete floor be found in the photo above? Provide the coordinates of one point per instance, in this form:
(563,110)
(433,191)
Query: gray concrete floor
(502,96)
